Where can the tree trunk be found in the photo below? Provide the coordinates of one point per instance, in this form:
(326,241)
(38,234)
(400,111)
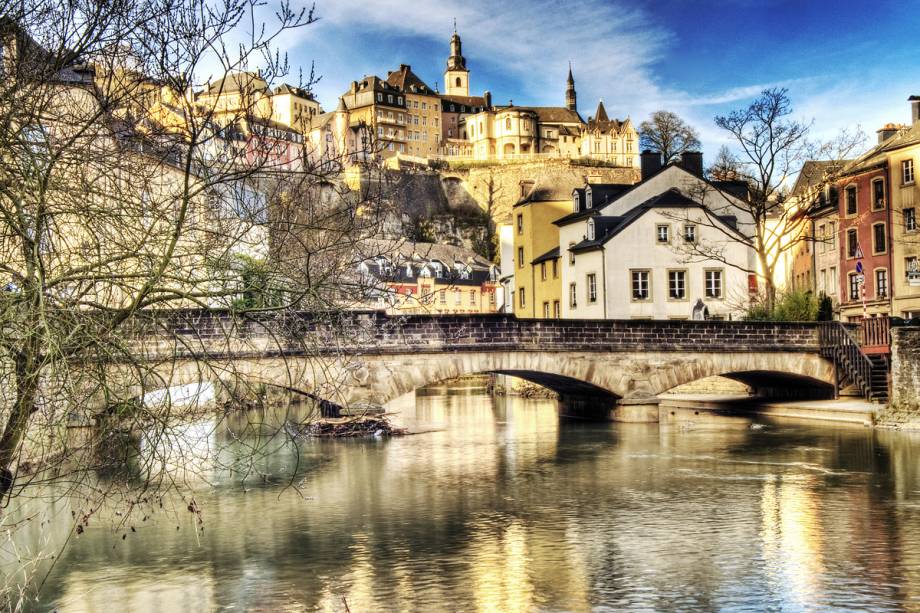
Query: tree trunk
(27,378)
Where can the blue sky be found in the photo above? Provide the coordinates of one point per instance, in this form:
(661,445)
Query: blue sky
(846,63)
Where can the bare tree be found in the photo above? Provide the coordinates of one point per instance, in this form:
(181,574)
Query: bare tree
(139,183)
(772,149)
(667,133)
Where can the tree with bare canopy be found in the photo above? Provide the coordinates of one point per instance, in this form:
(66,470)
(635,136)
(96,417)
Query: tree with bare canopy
(127,195)
(771,147)
(668,134)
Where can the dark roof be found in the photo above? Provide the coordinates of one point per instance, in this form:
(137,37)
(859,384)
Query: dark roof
(552,186)
(813,173)
(471,101)
(300,92)
(552,254)
(673,198)
(407,81)
(549,114)
(602,194)
(601,113)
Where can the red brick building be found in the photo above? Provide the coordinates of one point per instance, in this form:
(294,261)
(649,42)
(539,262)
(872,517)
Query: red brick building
(865,237)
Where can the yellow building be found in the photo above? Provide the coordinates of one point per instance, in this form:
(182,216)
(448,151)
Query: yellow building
(537,272)
(423,112)
(903,154)
(243,94)
(381,108)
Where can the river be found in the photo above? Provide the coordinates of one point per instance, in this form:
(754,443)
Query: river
(506,508)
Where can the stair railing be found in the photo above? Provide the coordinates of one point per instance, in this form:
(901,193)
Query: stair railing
(837,343)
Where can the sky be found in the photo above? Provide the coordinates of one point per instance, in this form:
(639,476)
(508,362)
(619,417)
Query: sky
(846,63)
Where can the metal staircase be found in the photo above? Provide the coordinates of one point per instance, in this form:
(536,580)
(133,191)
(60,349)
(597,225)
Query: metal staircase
(867,373)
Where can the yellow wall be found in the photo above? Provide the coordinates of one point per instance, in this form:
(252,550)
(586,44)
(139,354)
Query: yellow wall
(434,296)
(539,235)
(427,131)
(906,299)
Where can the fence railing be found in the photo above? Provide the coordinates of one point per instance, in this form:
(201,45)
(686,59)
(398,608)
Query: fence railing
(876,334)
(838,344)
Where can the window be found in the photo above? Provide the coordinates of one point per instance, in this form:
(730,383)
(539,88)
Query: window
(379,97)
(879,238)
(522,300)
(573,295)
(661,232)
(555,269)
(592,288)
(520,223)
(881,283)
(457,296)
(854,285)
(911,265)
(640,285)
(571,255)
(520,257)
(575,202)
(878,194)
(557,311)
(690,233)
(852,243)
(390,98)
(831,236)
(473,297)
(492,297)
(589,201)
(399,100)
(543,271)
(677,284)
(443,296)
(590,229)
(713,284)
(545,310)
(907,171)
(851,200)
(910,220)
(821,235)
(832,282)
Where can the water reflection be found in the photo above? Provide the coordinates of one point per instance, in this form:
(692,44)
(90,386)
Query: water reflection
(499,506)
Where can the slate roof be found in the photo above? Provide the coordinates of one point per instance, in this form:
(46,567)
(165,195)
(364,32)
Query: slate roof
(552,186)
(607,227)
(399,259)
(300,92)
(602,194)
(409,82)
(470,101)
(552,254)
(813,173)
(549,114)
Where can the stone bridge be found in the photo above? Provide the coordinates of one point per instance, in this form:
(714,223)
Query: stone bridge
(372,357)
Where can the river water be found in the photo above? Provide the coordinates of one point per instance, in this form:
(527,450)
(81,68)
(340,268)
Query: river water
(507,508)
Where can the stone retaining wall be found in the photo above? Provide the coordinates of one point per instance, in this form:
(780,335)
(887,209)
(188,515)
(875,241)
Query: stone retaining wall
(905,370)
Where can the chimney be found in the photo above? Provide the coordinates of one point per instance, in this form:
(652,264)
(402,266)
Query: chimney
(650,162)
(692,162)
(914,109)
(886,132)
(487,99)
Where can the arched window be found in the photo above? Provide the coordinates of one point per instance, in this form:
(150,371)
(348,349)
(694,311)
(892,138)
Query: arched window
(590,229)
(458,81)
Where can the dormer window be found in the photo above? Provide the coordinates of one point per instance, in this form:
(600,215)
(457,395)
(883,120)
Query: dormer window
(437,269)
(588,199)
(576,202)
(409,270)
(590,229)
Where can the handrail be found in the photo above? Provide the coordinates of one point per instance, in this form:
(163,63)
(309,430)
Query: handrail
(837,342)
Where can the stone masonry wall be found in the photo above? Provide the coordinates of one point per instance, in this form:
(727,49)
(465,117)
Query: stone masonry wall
(362,333)
(905,371)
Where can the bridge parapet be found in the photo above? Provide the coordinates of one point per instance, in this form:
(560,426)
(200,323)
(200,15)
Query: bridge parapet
(158,335)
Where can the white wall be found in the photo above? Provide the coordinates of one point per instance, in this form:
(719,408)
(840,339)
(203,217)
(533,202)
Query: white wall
(636,247)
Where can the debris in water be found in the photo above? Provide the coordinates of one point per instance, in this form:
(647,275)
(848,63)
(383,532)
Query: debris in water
(376,427)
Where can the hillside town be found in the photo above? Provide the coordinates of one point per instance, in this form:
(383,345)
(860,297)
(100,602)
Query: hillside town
(638,373)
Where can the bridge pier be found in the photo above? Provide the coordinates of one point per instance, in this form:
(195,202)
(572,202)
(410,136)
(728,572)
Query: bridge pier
(636,410)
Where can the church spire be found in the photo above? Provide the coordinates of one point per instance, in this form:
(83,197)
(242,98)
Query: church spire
(571,101)
(456,77)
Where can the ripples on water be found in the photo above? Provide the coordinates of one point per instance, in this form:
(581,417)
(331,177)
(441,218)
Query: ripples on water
(507,509)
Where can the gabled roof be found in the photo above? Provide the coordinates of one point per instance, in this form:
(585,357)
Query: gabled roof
(813,173)
(549,114)
(672,198)
(601,113)
(238,81)
(878,155)
(407,81)
(293,90)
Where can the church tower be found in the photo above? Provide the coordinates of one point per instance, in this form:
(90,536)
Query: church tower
(570,97)
(456,77)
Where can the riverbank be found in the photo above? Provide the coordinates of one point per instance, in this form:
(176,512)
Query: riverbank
(677,408)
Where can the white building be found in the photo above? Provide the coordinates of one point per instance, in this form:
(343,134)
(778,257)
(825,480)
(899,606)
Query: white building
(647,252)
